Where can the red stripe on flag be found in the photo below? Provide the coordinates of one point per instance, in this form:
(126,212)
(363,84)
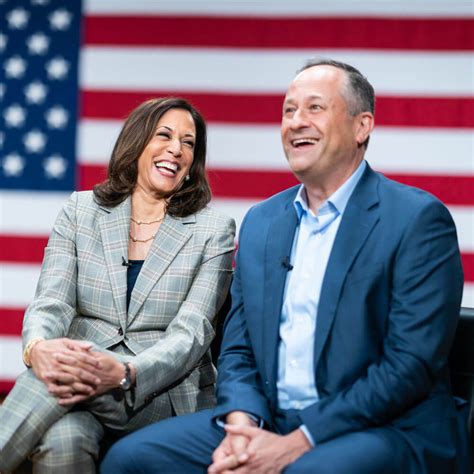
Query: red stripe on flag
(6,385)
(452,190)
(443,112)
(468,266)
(431,34)
(260,184)
(27,249)
(11,321)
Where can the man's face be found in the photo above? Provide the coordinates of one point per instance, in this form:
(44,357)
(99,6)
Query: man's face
(319,136)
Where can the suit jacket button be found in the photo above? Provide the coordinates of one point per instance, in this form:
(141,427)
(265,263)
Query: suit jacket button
(120,331)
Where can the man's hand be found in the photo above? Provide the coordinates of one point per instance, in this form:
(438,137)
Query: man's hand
(231,452)
(267,453)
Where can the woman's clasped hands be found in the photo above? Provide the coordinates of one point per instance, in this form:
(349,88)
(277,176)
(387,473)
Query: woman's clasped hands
(73,371)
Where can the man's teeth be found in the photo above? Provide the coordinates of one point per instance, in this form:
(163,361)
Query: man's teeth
(303,141)
(169,166)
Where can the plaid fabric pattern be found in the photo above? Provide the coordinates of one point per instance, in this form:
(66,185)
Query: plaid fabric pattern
(169,326)
(170,323)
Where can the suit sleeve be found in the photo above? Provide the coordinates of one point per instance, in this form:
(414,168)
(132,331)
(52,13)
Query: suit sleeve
(425,299)
(54,305)
(239,385)
(191,332)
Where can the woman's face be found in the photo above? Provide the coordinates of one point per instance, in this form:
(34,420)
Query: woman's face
(168,156)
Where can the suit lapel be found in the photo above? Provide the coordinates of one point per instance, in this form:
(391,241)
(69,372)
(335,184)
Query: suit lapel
(279,241)
(169,240)
(360,216)
(114,227)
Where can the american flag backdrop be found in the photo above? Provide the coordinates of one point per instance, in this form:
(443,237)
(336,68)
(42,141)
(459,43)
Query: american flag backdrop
(70,72)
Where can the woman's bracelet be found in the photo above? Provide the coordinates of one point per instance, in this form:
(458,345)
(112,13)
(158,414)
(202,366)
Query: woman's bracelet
(27,351)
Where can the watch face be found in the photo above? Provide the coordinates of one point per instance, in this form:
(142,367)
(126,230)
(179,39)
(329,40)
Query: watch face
(125,383)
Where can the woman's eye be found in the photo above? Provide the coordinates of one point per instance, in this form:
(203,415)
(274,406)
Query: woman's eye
(189,144)
(162,134)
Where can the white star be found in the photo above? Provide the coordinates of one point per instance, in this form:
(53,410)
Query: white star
(3,42)
(39,2)
(13,165)
(55,166)
(14,116)
(18,18)
(35,92)
(34,141)
(38,43)
(3,89)
(60,19)
(15,67)
(57,68)
(57,117)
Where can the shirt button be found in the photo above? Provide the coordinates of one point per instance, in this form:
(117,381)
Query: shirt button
(306,276)
(294,363)
(297,405)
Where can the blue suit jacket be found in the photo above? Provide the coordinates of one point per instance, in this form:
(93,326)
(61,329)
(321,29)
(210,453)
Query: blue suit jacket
(387,315)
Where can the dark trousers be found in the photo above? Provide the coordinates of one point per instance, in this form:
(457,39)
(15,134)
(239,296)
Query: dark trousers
(185,445)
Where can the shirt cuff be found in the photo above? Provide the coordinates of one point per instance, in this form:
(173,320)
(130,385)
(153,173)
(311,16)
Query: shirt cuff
(221,420)
(307,434)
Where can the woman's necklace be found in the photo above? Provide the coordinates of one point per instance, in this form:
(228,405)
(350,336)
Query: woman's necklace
(135,239)
(140,222)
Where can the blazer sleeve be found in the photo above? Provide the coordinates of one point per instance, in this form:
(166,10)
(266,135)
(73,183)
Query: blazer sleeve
(425,299)
(239,385)
(191,331)
(54,305)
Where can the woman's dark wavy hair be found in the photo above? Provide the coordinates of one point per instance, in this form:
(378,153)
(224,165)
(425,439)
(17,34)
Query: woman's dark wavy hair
(193,195)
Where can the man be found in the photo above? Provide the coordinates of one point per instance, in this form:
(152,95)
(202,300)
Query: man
(344,306)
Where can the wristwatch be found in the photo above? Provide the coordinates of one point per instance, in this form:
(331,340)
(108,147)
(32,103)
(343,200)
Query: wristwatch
(126,382)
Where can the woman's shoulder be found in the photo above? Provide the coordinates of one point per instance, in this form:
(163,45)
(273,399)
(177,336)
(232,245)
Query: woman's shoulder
(82,198)
(210,217)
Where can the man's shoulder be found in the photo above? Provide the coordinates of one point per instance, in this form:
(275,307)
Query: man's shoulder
(403,195)
(276,201)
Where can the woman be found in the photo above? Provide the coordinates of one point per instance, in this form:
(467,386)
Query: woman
(134,273)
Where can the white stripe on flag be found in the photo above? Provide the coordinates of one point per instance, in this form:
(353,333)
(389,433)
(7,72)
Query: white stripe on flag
(392,149)
(407,73)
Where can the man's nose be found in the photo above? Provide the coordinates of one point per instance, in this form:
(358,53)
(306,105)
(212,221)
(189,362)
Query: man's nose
(299,119)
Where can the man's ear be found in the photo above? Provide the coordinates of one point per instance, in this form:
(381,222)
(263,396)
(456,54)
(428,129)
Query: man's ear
(364,126)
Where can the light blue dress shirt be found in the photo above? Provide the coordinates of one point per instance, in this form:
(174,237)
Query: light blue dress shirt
(310,253)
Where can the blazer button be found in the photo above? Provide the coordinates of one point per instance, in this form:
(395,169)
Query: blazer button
(120,331)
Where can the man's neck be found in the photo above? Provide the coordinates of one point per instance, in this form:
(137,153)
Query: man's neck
(323,187)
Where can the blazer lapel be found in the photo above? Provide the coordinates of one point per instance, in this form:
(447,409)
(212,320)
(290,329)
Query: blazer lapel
(280,236)
(114,228)
(360,216)
(172,235)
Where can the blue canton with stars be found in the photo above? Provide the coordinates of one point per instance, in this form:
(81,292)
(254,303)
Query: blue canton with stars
(39,49)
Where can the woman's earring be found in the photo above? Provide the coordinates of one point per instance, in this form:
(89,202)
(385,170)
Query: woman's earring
(187,178)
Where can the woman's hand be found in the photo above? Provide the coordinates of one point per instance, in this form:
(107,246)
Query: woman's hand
(66,366)
(108,373)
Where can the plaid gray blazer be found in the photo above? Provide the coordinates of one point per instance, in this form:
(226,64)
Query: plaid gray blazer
(167,331)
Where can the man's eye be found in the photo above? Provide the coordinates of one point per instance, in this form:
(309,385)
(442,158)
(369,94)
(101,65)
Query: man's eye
(315,107)
(289,110)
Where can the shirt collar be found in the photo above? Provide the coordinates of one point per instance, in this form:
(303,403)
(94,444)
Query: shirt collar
(337,200)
